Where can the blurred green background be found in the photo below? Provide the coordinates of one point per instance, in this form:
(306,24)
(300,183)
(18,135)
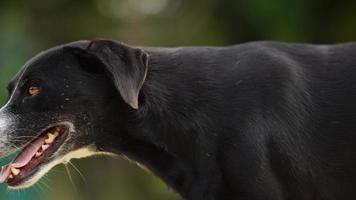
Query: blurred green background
(27,27)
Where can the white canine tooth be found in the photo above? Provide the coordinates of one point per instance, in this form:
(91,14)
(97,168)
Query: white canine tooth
(15,171)
(38,154)
(56,133)
(50,138)
(11,176)
(44,147)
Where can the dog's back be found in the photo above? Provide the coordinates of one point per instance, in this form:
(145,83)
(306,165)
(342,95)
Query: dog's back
(271,120)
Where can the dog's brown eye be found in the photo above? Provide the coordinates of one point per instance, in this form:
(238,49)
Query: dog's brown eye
(32,91)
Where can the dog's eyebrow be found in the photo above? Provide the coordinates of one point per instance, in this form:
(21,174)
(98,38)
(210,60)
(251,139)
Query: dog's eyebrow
(10,86)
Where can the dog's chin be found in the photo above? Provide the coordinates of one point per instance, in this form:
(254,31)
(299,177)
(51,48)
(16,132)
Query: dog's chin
(46,167)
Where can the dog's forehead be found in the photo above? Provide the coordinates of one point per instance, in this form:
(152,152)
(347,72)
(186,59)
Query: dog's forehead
(47,59)
(35,64)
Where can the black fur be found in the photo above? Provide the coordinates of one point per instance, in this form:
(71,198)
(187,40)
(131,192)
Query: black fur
(261,120)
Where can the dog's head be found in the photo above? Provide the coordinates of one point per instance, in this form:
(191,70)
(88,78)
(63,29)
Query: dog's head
(64,101)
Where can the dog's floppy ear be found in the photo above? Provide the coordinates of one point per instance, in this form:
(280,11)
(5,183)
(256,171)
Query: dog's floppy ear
(126,65)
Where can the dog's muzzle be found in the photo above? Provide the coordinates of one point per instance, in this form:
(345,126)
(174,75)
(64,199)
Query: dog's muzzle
(6,123)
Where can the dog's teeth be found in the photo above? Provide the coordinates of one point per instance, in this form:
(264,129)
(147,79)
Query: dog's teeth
(38,154)
(50,138)
(11,176)
(56,133)
(15,171)
(44,147)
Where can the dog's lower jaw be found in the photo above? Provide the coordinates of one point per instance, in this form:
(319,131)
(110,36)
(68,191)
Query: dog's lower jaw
(76,154)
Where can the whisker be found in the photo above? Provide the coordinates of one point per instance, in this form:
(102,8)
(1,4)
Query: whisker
(25,129)
(36,189)
(42,191)
(16,147)
(79,172)
(24,136)
(58,171)
(16,140)
(70,178)
(45,178)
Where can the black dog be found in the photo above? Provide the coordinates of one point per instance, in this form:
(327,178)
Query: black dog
(262,120)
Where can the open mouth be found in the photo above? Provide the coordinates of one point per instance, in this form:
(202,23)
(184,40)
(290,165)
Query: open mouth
(37,152)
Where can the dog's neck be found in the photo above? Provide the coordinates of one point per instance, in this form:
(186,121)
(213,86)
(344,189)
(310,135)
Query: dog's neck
(166,149)
(162,135)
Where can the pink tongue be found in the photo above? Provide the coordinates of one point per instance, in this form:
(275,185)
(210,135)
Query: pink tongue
(22,159)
